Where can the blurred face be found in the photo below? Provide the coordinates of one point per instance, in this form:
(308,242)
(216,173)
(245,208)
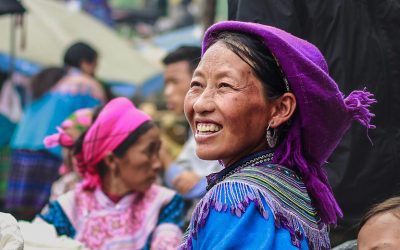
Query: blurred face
(380,232)
(140,166)
(89,67)
(226,108)
(177,79)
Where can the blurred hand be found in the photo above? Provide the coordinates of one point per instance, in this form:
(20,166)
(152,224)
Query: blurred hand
(186,181)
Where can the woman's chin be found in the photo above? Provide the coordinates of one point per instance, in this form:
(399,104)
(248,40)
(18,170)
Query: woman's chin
(206,154)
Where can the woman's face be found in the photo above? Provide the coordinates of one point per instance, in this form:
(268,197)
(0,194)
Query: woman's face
(140,165)
(226,107)
(380,232)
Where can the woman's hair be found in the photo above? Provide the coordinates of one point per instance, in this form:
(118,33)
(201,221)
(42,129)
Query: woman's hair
(122,148)
(391,205)
(190,54)
(79,52)
(256,54)
(45,80)
(3,77)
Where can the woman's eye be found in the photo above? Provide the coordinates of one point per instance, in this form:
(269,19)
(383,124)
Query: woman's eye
(153,148)
(195,84)
(224,85)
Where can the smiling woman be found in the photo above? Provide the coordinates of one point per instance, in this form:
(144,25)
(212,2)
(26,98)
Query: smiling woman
(118,203)
(256,103)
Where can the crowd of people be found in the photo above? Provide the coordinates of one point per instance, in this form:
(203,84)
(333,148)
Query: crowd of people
(264,118)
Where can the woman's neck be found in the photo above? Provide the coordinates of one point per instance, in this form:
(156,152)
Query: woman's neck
(114,189)
(261,147)
(113,197)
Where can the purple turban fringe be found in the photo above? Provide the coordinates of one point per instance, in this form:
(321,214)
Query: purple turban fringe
(322,115)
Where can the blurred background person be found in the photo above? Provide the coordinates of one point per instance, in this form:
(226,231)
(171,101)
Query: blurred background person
(99,9)
(186,174)
(118,205)
(380,227)
(14,95)
(56,93)
(360,41)
(7,128)
(69,131)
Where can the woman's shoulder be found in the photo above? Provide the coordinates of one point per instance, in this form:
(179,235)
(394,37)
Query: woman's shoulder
(162,195)
(276,184)
(285,193)
(64,204)
(79,84)
(276,192)
(59,214)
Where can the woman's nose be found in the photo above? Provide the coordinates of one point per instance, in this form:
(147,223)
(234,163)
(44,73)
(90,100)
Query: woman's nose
(204,102)
(156,164)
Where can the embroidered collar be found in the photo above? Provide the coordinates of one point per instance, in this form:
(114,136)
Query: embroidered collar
(256,180)
(106,202)
(250,160)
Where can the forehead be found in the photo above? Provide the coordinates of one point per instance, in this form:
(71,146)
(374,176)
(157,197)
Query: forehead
(381,232)
(219,58)
(151,135)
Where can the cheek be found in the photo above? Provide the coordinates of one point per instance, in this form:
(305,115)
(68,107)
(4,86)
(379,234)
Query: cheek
(130,170)
(188,106)
(245,114)
(245,124)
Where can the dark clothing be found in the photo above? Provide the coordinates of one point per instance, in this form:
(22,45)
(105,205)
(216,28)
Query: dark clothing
(361,42)
(28,188)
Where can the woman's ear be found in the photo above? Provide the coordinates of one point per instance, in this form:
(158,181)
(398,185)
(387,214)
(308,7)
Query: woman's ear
(111,161)
(282,109)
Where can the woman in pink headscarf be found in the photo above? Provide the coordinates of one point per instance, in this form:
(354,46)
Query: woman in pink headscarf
(117,205)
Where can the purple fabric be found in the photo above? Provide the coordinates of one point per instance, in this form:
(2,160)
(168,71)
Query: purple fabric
(323,115)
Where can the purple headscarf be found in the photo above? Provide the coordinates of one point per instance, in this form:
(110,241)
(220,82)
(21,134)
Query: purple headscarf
(323,114)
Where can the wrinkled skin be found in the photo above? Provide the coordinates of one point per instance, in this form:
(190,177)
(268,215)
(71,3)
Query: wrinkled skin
(226,94)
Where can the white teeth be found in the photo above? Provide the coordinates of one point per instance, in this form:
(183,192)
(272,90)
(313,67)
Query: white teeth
(208,127)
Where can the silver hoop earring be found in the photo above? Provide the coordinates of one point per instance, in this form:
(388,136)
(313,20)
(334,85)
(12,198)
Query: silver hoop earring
(271,136)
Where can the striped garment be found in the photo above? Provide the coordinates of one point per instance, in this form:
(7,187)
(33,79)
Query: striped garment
(4,169)
(31,176)
(272,188)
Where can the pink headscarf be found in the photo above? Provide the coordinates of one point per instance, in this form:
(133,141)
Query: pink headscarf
(116,121)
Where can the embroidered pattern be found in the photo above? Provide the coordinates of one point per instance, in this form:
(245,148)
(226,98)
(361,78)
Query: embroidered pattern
(128,224)
(57,217)
(168,233)
(96,228)
(282,190)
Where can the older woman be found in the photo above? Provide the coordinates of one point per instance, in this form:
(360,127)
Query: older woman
(117,206)
(261,101)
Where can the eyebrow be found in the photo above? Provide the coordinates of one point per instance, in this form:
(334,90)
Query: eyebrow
(382,246)
(222,73)
(198,73)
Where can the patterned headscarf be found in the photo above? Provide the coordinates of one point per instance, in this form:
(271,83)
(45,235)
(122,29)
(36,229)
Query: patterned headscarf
(70,129)
(323,113)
